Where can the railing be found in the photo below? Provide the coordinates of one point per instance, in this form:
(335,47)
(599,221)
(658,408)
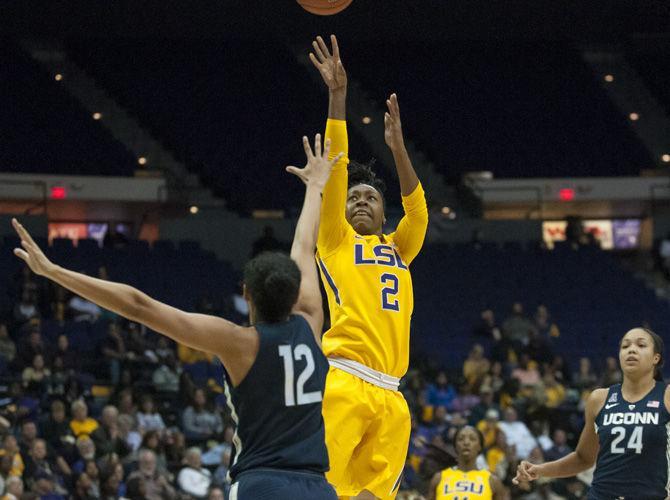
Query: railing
(40,186)
(480,191)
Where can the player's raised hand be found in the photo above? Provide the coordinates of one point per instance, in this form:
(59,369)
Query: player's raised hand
(392,124)
(317,170)
(31,253)
(526,472)
(329,64)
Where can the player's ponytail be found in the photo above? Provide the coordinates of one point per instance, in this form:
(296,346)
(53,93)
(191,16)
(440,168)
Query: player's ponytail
(659,348)
(273,282)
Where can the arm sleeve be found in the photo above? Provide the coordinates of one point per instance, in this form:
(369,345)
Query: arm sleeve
(333,225)
(411,230)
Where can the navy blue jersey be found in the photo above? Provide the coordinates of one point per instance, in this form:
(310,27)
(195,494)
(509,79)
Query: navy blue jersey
(634,442)
(277,407)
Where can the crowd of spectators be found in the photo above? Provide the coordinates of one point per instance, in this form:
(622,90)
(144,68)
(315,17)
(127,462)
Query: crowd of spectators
(128,418)
(526,400)
(144,418)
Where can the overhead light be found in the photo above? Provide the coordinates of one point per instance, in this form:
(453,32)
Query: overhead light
(194,210)
(366,120)
(666,158)
(142,160)
(609,78)
(58,77)
(634,117)
(97,116)
(446,210)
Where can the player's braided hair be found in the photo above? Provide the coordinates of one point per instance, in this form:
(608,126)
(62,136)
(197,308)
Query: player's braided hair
(362,173)
(273,281)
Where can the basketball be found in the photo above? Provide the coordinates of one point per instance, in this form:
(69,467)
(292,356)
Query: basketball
(324,7)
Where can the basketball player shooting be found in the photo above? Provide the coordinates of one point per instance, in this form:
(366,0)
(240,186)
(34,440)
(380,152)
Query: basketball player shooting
(369,286)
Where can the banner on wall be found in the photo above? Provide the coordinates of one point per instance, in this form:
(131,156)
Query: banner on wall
(617,234)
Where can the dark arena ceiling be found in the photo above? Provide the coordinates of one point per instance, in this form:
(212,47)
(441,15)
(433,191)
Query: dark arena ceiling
(577,20)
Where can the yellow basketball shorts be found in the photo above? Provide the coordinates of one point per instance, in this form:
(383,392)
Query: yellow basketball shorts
(367,435)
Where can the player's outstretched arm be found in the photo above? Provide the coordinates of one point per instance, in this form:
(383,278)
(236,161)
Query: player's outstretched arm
(334,225)
(411,230)
(198,331)
(315,175)
(579,460)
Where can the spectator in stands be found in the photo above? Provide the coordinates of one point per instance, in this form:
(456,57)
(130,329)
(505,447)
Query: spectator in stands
(440,393)
(83,488)
(31,346)
(93,472)
(489,428)
(139,346)
(175,448)
(10,447)
(148,419)
(114,238)
(128,433)
(13,488)
(56,429)
(240,306)
(487,326)
(199,423)
(26,309)
(136,488)
(157,484)
(559,447)
(517,327)
(554,391)
(517,434)
(560,370)
(527,372)
(125,402)
(37,375)
(38,465)
(486,403)
(194,479)
(107,437)
(544,324)
(83,310)
(81,423)
(58,305)
(166,377)
(69,357)
(152,441)
(585,377)
(267,242)
(7,345)
(475,367)
(114,350)
(110,481)
(499,457)
(86,452)
(27,438)
(612,373)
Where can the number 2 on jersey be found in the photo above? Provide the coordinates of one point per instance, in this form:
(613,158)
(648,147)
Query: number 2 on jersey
(634,443)
(390,290)
(288,355)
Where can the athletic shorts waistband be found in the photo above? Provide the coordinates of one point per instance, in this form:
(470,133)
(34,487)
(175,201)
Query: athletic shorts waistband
(366,373)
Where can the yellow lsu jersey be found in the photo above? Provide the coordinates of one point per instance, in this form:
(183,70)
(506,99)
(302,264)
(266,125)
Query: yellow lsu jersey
(459,485)
(367,278)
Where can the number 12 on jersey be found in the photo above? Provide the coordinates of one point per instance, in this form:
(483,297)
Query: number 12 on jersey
(288,355)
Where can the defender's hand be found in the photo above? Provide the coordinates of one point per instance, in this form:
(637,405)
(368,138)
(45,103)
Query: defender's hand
(31,253)
(392,125)
(318,167)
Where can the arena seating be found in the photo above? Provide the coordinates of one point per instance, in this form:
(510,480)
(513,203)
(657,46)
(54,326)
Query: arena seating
(592,299)
(233,111)
(44,129)
(516,109)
